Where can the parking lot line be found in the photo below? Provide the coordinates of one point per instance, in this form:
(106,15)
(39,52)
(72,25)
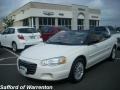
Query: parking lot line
(11,52)
(8,64)
(6,58)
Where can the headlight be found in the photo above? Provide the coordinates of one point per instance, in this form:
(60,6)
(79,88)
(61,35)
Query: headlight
(54,61)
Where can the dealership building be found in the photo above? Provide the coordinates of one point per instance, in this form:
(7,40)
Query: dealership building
(75,17)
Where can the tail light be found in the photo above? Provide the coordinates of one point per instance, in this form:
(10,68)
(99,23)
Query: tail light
(21,37)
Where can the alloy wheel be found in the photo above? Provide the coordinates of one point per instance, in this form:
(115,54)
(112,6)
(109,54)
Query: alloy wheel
(79,71)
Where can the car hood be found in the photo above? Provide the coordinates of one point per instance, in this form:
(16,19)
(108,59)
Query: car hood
(46,51)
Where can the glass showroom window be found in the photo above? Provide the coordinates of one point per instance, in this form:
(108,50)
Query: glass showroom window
(80,24)
(44,21)
(26,22)
(93,23)
(34,23)
(64,22)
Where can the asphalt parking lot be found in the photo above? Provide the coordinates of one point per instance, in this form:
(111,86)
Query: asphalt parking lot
(103,76)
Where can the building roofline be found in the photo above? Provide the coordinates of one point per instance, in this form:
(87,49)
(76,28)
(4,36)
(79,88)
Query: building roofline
(30,3)
(52,3)
(19,8)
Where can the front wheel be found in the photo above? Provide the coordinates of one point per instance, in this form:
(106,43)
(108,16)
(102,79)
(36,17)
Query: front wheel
(113,54)
(77,71)
(14,47)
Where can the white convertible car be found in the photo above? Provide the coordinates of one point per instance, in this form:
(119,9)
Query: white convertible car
(66,55)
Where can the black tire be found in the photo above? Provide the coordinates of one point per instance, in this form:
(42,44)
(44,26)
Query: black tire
(113,54)
(76,74)
(14,47)
(0,45)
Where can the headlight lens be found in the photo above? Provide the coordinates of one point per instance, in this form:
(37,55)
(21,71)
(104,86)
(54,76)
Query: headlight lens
(54,61)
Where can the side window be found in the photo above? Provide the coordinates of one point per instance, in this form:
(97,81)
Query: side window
(47,29)
(101,37)
(52,29)
(11,30)
(103,29)
(6,31)
(94,38)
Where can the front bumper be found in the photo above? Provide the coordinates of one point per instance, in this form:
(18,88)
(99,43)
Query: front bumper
(46,72)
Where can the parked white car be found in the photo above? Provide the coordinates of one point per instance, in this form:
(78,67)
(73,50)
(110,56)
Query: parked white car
(66,55)
(19,37)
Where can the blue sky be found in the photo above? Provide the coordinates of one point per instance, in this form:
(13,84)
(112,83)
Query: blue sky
(110,14)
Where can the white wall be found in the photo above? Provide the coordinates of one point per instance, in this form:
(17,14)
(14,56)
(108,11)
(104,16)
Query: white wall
(18,23)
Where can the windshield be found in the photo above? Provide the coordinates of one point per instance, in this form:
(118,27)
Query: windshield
(27,30)
(68,38)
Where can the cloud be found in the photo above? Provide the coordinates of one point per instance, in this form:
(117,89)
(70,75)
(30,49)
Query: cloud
(110,12)
(110,17)
(109,8)
(95,4)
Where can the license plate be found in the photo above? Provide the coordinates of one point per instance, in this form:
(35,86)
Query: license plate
(32,37)
(23,69)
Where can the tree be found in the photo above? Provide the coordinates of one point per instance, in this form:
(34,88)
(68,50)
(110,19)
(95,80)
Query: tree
(8,22)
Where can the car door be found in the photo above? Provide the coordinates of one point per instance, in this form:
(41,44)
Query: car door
(3,37)
(9,37)
(96,49)
(106,44)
